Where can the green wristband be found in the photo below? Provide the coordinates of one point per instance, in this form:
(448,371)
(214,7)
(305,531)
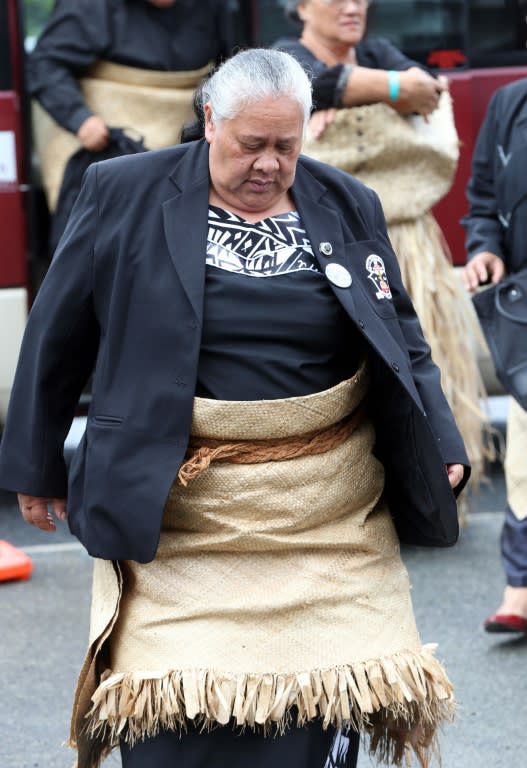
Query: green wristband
(393,85)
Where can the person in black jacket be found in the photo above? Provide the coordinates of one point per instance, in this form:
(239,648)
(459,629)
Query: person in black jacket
(496,244)
(253,343)
(350,69)
(138,49)
(161,35)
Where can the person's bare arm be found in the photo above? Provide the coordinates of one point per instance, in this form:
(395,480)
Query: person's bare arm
(419,92)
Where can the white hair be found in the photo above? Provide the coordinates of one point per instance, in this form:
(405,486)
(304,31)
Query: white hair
(252,75)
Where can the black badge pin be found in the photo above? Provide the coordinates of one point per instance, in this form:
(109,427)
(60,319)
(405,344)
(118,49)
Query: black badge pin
(326,249)
(338,275)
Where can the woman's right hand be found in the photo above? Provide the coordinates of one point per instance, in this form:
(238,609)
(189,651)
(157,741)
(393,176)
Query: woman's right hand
(484,267)
(93,134)
(36,511)
(419,92)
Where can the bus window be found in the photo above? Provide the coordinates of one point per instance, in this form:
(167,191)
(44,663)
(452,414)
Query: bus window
(270,22)
(497,33)
(440,33)
(36,13)
(420,28)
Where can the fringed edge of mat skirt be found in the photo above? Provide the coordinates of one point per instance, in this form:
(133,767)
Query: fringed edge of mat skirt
(399,702)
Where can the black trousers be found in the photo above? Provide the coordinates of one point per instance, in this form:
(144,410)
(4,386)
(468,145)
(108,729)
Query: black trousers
(307,747)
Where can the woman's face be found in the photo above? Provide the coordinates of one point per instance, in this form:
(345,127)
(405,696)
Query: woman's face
(334,22)
(253,155)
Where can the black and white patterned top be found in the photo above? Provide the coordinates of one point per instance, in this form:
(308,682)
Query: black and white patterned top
(269,338)
(275,246)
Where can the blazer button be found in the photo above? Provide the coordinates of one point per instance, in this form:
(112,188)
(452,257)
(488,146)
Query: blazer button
(326,249)
(395,367)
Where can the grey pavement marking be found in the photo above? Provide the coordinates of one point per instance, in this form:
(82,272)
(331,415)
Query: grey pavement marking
(52,549)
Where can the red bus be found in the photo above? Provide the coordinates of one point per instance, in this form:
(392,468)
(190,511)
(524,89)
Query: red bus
(14,254)
(478,44)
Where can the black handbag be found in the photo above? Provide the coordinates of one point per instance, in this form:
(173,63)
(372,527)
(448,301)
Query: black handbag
(502,313)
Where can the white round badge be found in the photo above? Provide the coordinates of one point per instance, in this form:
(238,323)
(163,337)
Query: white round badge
(338,275)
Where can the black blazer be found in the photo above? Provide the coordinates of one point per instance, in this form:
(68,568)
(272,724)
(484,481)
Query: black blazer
(497,190)
(125,292)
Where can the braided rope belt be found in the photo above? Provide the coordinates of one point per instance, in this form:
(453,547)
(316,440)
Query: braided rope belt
(202,451)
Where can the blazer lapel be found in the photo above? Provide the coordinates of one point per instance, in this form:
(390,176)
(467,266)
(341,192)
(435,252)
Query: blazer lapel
(350,247)
(324,229)
(185,222)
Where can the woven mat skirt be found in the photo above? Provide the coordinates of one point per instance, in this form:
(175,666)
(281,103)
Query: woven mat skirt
(277,597)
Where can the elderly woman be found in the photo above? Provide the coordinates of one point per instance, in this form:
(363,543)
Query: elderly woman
(266,422)
(385,119)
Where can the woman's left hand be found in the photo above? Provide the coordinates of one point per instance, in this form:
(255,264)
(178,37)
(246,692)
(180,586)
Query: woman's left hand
(455,474)
(419,92)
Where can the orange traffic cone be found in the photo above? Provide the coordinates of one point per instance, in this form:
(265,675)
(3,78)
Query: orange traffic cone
(14,564)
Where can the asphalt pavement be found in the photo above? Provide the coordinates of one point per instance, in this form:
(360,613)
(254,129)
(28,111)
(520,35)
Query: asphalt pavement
(44,626)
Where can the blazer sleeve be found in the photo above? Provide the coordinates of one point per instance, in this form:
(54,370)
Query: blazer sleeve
(77,34)
(483,228)
(57,356)
(425,373)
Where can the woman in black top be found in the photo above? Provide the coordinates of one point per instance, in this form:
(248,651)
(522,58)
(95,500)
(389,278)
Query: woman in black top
(238,297)
(350,69)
